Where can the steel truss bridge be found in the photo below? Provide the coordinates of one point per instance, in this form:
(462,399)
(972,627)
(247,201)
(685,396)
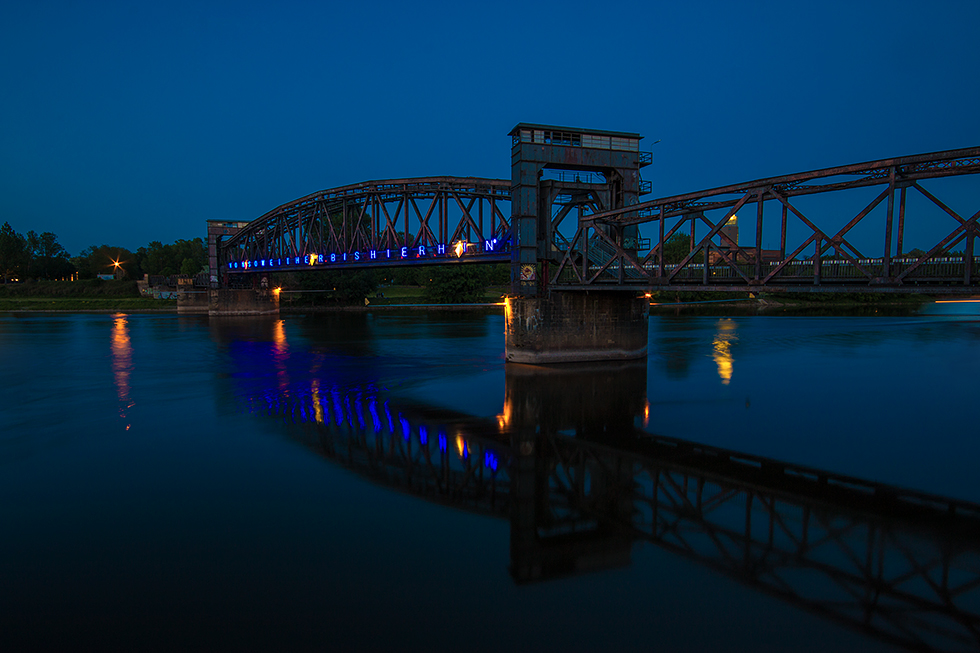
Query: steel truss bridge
(898,565)
(820,260)
(378,223)
(438,220)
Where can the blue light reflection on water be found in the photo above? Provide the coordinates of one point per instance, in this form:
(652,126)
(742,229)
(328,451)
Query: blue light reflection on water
(204,513)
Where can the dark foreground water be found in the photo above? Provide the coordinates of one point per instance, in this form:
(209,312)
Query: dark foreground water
(385,482)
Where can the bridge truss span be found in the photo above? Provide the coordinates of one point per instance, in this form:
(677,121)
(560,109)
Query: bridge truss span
(821,246)
(378,223)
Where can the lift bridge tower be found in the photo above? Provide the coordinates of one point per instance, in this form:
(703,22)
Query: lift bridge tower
(566,168)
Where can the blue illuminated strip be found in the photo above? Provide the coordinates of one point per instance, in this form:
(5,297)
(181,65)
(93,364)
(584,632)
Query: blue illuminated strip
(348,413)
(490,460)
(404,253)
(359,406)
(374,415)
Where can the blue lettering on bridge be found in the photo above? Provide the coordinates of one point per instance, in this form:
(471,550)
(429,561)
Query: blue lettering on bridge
(439,250)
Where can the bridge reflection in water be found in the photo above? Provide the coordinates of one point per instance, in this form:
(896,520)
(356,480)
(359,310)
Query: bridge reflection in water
(567,463)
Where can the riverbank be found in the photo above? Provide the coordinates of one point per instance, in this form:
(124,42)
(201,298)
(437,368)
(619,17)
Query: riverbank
(410,298)
(79,296)
(87,304)
(809,303)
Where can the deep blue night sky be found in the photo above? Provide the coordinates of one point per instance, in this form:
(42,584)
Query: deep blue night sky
(123,123)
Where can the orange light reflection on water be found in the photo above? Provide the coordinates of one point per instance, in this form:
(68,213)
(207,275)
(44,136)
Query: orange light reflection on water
(317,402)
(280,351)
(503,419)
(122,362)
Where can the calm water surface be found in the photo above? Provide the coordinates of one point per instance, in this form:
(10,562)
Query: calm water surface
(351,483)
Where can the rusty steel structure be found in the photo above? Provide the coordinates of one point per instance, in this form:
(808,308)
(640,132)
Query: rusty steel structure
(430,220)
(554,169)
(821,260)
(576,222)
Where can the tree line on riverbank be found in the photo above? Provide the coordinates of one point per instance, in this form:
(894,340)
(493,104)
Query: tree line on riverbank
(39,257)
(38,261)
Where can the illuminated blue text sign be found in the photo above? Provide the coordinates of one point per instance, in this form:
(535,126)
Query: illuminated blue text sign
(459,249)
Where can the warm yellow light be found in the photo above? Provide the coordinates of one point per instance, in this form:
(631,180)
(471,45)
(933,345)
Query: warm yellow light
(277,290)
(733,219)
(317,402)
(280,349)
(646,413)
(122,363)
(503,419)
(460,248)
(312,259)
(460,445)
(722,345)
(279,334)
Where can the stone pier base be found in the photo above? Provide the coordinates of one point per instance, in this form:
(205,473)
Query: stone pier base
(574,326)
(224,301)
(194,301)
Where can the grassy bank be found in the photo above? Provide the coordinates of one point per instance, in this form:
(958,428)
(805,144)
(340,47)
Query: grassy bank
(810,304)
(81,304)
(88,295)
(789,299)
(668,296)
(86,288)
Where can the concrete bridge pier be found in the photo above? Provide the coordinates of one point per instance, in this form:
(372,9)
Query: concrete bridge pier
(192,301)
(227,301)
(576,326)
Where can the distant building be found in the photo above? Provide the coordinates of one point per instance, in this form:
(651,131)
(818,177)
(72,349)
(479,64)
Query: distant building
(731,230)
(740,254)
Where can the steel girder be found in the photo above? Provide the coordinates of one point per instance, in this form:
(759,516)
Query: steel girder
(822,260)
(353,221)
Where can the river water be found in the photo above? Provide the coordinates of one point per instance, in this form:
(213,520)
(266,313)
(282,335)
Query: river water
(354,482)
